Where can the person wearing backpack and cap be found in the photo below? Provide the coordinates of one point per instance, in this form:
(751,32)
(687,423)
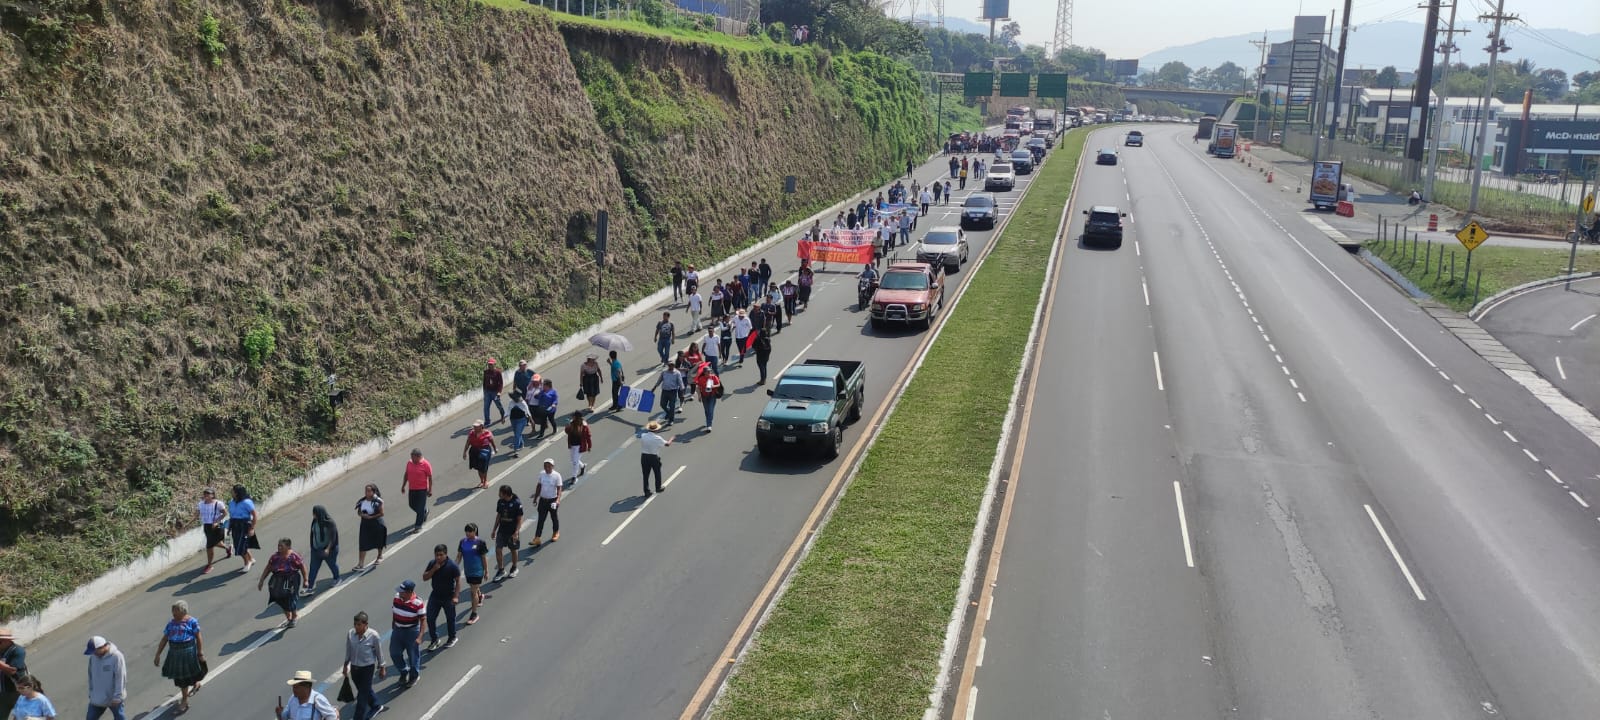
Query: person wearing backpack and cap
(108,678)
(305,703)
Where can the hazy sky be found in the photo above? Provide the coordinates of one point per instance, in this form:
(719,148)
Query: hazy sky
(1131,29)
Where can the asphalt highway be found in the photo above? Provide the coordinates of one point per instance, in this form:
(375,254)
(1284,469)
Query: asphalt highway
(1259,483)
(1557,330)
(622,618)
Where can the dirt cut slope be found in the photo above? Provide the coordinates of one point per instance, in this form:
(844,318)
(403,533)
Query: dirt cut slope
(206,206)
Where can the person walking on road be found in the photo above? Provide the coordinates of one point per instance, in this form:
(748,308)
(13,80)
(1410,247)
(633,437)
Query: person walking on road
(374,532)
(544,411)
(405,634)
(214,523)
(665,333)
(305,703)
(909,167)
(520,412)
(472,555)
(417,484)
(677,280)
(696,305)
(719,301)
(963,174)
(108,679)
(955,166)
(763,348)
(724,334)
(31,703)
(671,393)
(925,198)
(523,378)
(946,200)
(590,377)
(711,350)
(549,494)
(618,376)
(363,660)
(493,383)
(242,526)
(579,441)
(650,445)
(287,571)
(445,589)
(507,532)
(742,327)
(13,662)
(691,279)
(186,663)
(807,279)
(905,228)
(478,452)
(709,388)
(324,547)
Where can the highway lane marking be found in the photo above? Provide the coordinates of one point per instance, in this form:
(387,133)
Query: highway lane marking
(1160,384)
(1136,249)
(1559,369)
(796,358)
(1579,498)
(1553,476)
(1294,384)
(1474,403)
(1302,396)
(983,647)
(820,334)
(1404,569)
(972,702)
(1458,388)
(1575,325)
(1530,455)
(1491,418)
(1443,375)
(635,513)
(1146,289)
(1183,524)
(989,611)
(450,693)
(1509,436)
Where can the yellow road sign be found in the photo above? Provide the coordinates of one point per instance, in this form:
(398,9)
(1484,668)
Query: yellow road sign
(1472,235)
(1588,203)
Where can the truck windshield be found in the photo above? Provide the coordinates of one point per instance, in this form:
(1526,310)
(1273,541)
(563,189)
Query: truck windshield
(806,391)
(904,281)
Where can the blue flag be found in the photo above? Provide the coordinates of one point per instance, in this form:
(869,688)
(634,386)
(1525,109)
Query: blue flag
(639,399)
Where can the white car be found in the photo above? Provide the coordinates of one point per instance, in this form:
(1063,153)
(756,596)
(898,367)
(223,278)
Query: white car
(999,177)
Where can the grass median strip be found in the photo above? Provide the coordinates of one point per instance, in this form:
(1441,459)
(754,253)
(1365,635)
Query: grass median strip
(1430,267)
(859,630)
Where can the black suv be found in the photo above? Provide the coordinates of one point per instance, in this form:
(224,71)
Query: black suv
(1106,156)
(1022,162)
(979,210)
(1104,224)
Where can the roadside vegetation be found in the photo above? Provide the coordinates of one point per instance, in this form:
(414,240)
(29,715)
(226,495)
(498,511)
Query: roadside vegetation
(1432,269)
(858,632)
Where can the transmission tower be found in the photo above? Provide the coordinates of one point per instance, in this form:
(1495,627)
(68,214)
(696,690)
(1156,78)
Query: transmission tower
(1063,39)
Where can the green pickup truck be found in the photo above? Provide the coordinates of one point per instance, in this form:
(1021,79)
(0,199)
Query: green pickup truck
(809,406)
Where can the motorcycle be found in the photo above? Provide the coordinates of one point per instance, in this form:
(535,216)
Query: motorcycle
(865,287)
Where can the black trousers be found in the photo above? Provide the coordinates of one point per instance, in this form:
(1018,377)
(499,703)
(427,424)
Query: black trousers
(651,464)
(366,701)
(418,499)
(447,603)
(547,507)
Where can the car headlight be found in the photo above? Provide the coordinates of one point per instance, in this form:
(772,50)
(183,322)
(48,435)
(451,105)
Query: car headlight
(820,427)
(877,306)
(917,306)
(762,424)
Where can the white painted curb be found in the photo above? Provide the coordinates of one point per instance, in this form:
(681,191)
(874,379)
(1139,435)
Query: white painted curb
(185,546)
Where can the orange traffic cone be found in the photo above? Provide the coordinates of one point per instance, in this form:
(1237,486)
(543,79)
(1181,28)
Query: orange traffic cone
(1269,176)
(1433,223)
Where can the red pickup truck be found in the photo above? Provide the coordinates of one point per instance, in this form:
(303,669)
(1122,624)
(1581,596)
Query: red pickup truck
(910,292)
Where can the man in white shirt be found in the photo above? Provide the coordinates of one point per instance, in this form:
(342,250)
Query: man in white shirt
(650,445)
(709,347)
(741,331)
(549,494)
(305,703)
(696,303)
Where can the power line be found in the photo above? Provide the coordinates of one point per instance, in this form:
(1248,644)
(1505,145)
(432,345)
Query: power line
(1525,30)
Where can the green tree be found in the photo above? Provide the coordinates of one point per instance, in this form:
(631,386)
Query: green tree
(1388,77)
(1228,76)
(1009,33)
(1085,63)
(1583,80)
(1173,74)
(1550,85)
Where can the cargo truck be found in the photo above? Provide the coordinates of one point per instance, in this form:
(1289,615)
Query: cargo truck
(1226,143)
(1203,130)
(1044,119)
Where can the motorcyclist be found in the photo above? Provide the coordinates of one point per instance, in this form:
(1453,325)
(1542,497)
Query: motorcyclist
(869,273)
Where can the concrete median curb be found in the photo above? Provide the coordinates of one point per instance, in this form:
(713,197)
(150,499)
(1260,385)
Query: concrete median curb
(168,555)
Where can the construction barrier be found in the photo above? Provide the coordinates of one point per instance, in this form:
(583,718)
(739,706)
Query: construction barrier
(1345,208)
(1433,223)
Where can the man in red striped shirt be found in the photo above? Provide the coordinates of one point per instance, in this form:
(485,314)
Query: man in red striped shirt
(405,648)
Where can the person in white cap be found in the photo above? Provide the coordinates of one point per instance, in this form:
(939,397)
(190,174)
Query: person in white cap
(305,703)
(108,678)
(548,494)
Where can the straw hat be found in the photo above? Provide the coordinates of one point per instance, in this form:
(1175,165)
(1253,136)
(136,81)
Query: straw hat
(302,677)
(652,426)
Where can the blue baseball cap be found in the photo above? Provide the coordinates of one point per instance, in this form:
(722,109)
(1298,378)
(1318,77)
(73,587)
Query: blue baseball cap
(406,586)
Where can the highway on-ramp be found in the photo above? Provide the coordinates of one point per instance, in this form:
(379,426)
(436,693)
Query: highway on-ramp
(1556,329)
(1257,482)
(622,618)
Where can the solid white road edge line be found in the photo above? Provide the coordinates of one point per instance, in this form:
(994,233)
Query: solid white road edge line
(450,694)
(1561,370)
(1183,524)
(1395,553)
(1575,325)
(1160,385)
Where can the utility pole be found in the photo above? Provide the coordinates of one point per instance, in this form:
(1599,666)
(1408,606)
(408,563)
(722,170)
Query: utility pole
(1338,70)
(1448,48)
(1422,97)
(1261,87)
(1496,46)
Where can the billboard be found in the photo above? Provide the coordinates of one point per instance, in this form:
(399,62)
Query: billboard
(1309,27)
(1125,68)
(996,9)
(1014,85)
(1052,85)
(977,84)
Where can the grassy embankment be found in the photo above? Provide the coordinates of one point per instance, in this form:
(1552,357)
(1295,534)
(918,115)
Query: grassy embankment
(859,630)
(1429,267)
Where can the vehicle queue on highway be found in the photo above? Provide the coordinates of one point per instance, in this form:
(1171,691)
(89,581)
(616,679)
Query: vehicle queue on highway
(735,319)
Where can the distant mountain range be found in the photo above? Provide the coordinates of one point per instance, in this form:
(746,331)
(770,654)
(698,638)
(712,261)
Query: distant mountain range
(1398,44)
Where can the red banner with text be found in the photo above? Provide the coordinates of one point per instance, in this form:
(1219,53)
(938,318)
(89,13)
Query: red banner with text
(841,246)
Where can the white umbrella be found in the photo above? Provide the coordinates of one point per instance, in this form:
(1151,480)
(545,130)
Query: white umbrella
(611,341)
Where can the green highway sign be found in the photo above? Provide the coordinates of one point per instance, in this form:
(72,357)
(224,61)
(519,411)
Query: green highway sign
(1014,85)
(978,84)
(1052,85)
